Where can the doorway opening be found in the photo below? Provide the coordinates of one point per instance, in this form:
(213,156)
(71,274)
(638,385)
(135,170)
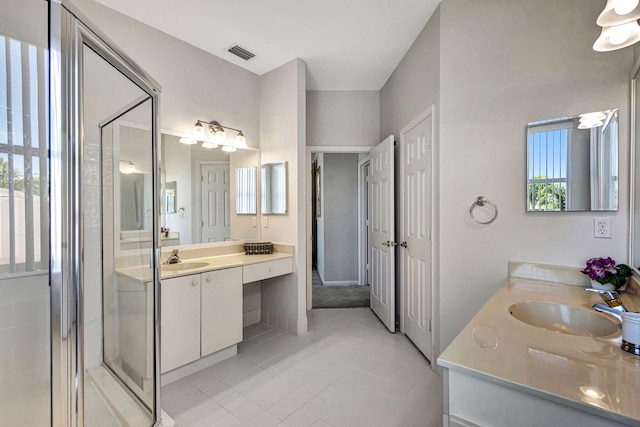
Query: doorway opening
(338,222)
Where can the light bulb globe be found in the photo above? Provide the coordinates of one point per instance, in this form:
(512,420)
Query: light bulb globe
(241,141)
(624,7)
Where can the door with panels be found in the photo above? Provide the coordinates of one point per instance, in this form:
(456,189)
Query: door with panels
(214,201)
(415,173)
(382,265)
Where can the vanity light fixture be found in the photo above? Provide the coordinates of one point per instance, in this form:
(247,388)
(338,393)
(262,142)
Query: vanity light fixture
(198,131)
(218,136)
(188,141)
(127,167)
(618,12)
(590,124)
(591,120)
(619,22)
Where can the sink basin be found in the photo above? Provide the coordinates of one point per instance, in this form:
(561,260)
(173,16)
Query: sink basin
(565,319)
(181,266)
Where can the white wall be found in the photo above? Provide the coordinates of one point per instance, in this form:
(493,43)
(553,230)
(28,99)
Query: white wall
(490,68)
(415,83)
(195,84)
(340,200)
(282,137)
(176,159)
(343,118)
(516,62)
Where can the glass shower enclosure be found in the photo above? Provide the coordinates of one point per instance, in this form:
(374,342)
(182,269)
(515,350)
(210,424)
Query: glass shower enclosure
(104,222)
(79,337)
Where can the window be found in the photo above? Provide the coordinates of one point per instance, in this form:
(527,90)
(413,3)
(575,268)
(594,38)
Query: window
(24,207)
(547,177)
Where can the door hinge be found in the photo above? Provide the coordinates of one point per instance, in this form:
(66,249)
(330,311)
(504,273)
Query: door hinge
(429,233)
(429,142)
(202,224)
(201,178)
(429,325)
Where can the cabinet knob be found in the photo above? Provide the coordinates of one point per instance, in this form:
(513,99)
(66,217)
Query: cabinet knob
(270,269)
(208,279)
(194,283)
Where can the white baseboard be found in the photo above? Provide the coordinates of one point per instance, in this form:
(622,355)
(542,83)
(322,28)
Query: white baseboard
(277,320)
(341,283)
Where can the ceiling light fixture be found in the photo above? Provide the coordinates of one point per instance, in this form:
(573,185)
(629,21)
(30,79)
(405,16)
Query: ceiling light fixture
(620,25)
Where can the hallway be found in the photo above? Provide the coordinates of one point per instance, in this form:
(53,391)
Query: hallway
(347,371)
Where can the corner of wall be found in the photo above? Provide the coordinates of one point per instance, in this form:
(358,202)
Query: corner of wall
(283,137)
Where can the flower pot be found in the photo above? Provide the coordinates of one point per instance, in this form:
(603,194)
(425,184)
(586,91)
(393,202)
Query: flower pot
(604,287)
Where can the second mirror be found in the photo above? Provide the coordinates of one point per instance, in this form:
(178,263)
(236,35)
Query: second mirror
(274,188)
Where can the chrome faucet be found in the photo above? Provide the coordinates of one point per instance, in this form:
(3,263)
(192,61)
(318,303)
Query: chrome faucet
(174,258)
(613,302)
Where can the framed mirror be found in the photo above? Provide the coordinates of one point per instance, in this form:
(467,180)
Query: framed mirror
(572,163)
(274,188)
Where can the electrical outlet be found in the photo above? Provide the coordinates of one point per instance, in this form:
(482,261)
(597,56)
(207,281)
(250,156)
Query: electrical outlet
(602,228)
(265,222)
(254,221)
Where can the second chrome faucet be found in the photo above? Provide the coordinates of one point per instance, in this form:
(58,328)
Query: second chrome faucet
(612,300)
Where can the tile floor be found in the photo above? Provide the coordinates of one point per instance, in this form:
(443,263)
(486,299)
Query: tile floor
(347,371)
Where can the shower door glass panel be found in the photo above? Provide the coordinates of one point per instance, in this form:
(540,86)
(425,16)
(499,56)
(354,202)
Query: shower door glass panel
(127,288)
(119,218)
(25,374)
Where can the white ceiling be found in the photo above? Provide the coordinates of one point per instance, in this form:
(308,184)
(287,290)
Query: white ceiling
(347,45)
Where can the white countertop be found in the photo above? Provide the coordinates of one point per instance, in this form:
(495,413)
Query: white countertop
(215,262)
(588,373)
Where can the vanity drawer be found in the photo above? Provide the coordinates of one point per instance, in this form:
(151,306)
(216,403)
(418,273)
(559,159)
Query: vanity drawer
(267,269)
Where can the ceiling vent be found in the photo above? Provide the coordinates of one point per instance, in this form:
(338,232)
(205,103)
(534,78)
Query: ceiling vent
(241,52)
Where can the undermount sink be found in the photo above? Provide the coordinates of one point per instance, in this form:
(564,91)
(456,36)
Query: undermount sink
(184,266)
(565,319)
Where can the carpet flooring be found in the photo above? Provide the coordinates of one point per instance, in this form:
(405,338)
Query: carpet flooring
(340,296)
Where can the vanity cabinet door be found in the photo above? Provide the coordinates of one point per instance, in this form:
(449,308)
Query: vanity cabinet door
(221,309)
(180,321)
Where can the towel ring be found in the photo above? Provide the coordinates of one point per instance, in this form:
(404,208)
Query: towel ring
(481,201)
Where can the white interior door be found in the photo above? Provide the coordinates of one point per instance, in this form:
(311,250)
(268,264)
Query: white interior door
(381,224)
(415,225)
(214,201)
